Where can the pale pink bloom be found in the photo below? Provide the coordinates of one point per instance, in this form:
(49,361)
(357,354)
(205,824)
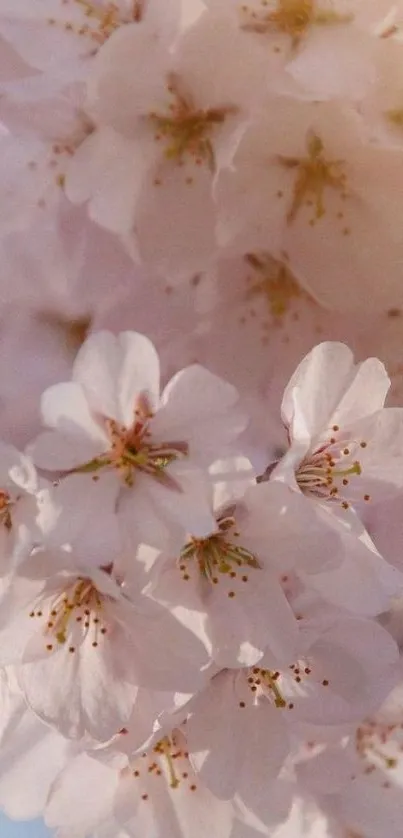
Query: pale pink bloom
(304,180)
(156,794)
(237,739)
(344,444)
(144,171)
(111,425)
(299,36)
(81,648)
(61,37)
(160,794)
(227,584)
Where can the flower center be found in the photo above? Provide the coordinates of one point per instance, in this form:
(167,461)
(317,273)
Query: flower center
(75,613)
(274,282)
(185,129)
(218,557)
(326,473)
(97,21)
(288,17)
(5,510)
(132,450)
(264,682)
(168,761)
(314,175)
(395,117)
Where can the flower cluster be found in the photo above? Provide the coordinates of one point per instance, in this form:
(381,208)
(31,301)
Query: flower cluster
(185,641)
(201,573)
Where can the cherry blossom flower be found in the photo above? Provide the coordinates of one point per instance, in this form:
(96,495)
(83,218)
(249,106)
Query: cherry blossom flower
(157,793)
(81,648)
(232,575)
(61,37)
(343,443)
(111,424)
(201,577)
(304,182)
(166,129)
(251,740)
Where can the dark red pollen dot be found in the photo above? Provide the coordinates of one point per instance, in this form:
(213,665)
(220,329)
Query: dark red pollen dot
(95,643)
(144,796)
(244,578)
(193,788)
(231,594)
(291,706)
(136,773)
(345,482)
(363,444)
(307,670)
(335,428)
(242,704)
(72,649)
(325,682)
(49,647)
(185,775)
(103,630)
(346,451)
(367,497)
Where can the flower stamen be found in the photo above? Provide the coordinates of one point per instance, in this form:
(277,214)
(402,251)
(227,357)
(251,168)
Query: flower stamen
(131,450)
(289,17)
(216,555)
(326,472)
(314,174)
(5,510)
(186,129)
